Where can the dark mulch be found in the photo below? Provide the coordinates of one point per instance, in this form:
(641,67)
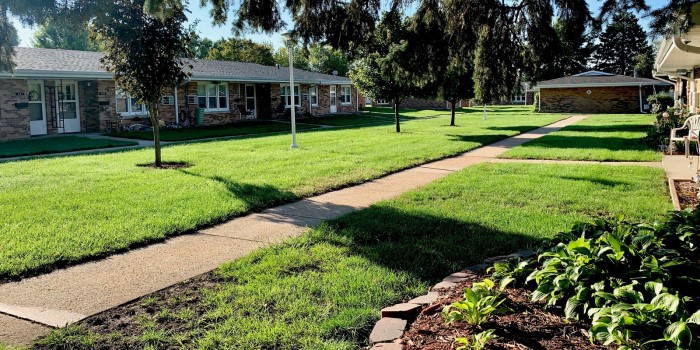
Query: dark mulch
(687,194)
(529,326)
(167,165)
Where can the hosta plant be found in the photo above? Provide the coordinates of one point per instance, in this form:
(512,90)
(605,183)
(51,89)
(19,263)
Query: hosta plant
(480,302)
(477,341)
(511,271)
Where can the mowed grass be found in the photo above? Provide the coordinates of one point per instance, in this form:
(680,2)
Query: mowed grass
(48,145)
(324,289)
(616,137)
(346,120)
(243,128)
(63,210)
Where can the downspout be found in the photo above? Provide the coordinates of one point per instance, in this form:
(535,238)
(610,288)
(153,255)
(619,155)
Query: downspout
(177,108)
(641,100)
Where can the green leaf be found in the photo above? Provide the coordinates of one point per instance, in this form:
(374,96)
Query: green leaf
(694,318)
(678,333)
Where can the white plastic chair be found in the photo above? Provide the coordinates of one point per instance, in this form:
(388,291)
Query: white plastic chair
(693,125)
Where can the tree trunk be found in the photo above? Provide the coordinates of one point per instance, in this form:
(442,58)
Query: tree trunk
(484,117)
(452,121)
(154,112)
(396,115)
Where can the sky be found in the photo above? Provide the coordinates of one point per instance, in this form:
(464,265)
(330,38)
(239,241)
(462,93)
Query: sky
(217,32)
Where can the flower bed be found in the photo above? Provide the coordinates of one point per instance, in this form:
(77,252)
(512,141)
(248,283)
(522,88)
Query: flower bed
(607,283)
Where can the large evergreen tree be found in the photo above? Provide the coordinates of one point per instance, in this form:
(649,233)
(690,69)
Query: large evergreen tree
(623,47)
(62,34)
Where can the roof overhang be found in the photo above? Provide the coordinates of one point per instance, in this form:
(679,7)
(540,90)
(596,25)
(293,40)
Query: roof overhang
(680,52)
(44,74)
(593,85)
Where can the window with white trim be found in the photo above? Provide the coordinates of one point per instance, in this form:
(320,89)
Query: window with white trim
(313,95)
(345,95)
(286,94)
(127,105)
(212,97)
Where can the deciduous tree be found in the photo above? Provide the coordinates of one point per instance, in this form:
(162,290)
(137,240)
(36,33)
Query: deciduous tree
(242,50)
(147,55)
(67,35)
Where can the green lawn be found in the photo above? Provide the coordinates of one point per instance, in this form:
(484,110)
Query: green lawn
(48,145)
(345,120)
(616,137)
(244,128)
(324,289)
(63,210)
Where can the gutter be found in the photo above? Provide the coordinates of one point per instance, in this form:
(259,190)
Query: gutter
(561,86)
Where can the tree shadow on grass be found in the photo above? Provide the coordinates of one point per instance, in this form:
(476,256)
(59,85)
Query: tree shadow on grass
(425,246)
(480,139)
(596,180)
(609,128)
(587,142)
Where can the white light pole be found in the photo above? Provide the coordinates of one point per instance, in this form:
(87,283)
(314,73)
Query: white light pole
(288,40)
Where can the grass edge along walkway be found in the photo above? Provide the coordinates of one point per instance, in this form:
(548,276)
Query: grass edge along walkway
(67,295)
(323,290)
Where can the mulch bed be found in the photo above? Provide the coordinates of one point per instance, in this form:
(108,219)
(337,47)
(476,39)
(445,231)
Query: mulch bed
(167,165)
(687,194)
(529,326)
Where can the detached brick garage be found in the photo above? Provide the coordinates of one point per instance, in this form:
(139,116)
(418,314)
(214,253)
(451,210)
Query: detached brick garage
(597,92)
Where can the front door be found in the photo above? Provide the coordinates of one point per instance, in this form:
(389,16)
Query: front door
(37,112)
(250,104)
(334,97)
(67,101)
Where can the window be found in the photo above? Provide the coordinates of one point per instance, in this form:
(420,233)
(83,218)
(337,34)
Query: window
(213,97)
(286,94)
(345,97)
(313,95)
(127,105)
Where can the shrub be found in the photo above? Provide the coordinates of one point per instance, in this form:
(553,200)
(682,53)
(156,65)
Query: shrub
(659,133)
(635,282)
(663,100)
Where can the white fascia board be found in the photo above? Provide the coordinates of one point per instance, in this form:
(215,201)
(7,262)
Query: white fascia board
(562,86)
(264,80)
(43,74)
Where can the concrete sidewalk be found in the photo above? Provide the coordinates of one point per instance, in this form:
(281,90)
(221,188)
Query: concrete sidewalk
(31,307)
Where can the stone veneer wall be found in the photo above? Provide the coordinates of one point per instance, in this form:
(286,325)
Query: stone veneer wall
(601,100)
(14,123)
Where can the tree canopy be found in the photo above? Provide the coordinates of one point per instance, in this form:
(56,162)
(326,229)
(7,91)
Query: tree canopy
(623,47)
(61,34)
(241,50)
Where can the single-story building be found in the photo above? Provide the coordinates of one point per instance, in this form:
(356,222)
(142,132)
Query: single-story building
(597,92)
(62,91)
(678,62)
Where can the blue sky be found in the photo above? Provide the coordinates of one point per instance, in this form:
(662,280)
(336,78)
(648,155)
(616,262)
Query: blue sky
(216,32)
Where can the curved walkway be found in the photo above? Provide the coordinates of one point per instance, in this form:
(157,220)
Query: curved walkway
(30,308)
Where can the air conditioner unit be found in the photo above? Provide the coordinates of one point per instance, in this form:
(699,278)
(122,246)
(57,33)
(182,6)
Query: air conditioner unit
(167,100)
(191,99)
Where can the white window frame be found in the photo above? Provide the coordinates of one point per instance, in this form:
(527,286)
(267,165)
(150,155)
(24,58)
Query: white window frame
(313,96)
(287,99)
(343,95)
(218,108)
(121,94)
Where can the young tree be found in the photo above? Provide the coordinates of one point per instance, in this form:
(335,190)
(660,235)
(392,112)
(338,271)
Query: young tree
(242,50)
(61,34)
(384,70)
(623,46)
(147,55)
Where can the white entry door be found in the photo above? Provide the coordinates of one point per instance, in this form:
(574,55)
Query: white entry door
(334,98)
(67,102)
(37,112)
(250,104)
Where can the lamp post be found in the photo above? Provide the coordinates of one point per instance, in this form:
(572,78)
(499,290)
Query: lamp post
(288,40)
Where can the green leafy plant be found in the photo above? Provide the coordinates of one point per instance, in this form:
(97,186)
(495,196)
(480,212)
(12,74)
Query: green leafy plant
(632,280)
(510,271)
(477,341)
(479,303)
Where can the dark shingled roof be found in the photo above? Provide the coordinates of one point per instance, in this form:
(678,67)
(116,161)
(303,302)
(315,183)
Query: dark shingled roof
(594,78)
(49,63)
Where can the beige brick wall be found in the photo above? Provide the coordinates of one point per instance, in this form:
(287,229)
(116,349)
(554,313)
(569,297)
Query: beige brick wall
(601,100)
(14,122)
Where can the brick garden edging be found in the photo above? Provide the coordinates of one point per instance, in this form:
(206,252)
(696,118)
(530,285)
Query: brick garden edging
(396,318)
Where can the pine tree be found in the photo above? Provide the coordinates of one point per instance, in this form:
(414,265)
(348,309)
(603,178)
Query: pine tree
(623,46)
